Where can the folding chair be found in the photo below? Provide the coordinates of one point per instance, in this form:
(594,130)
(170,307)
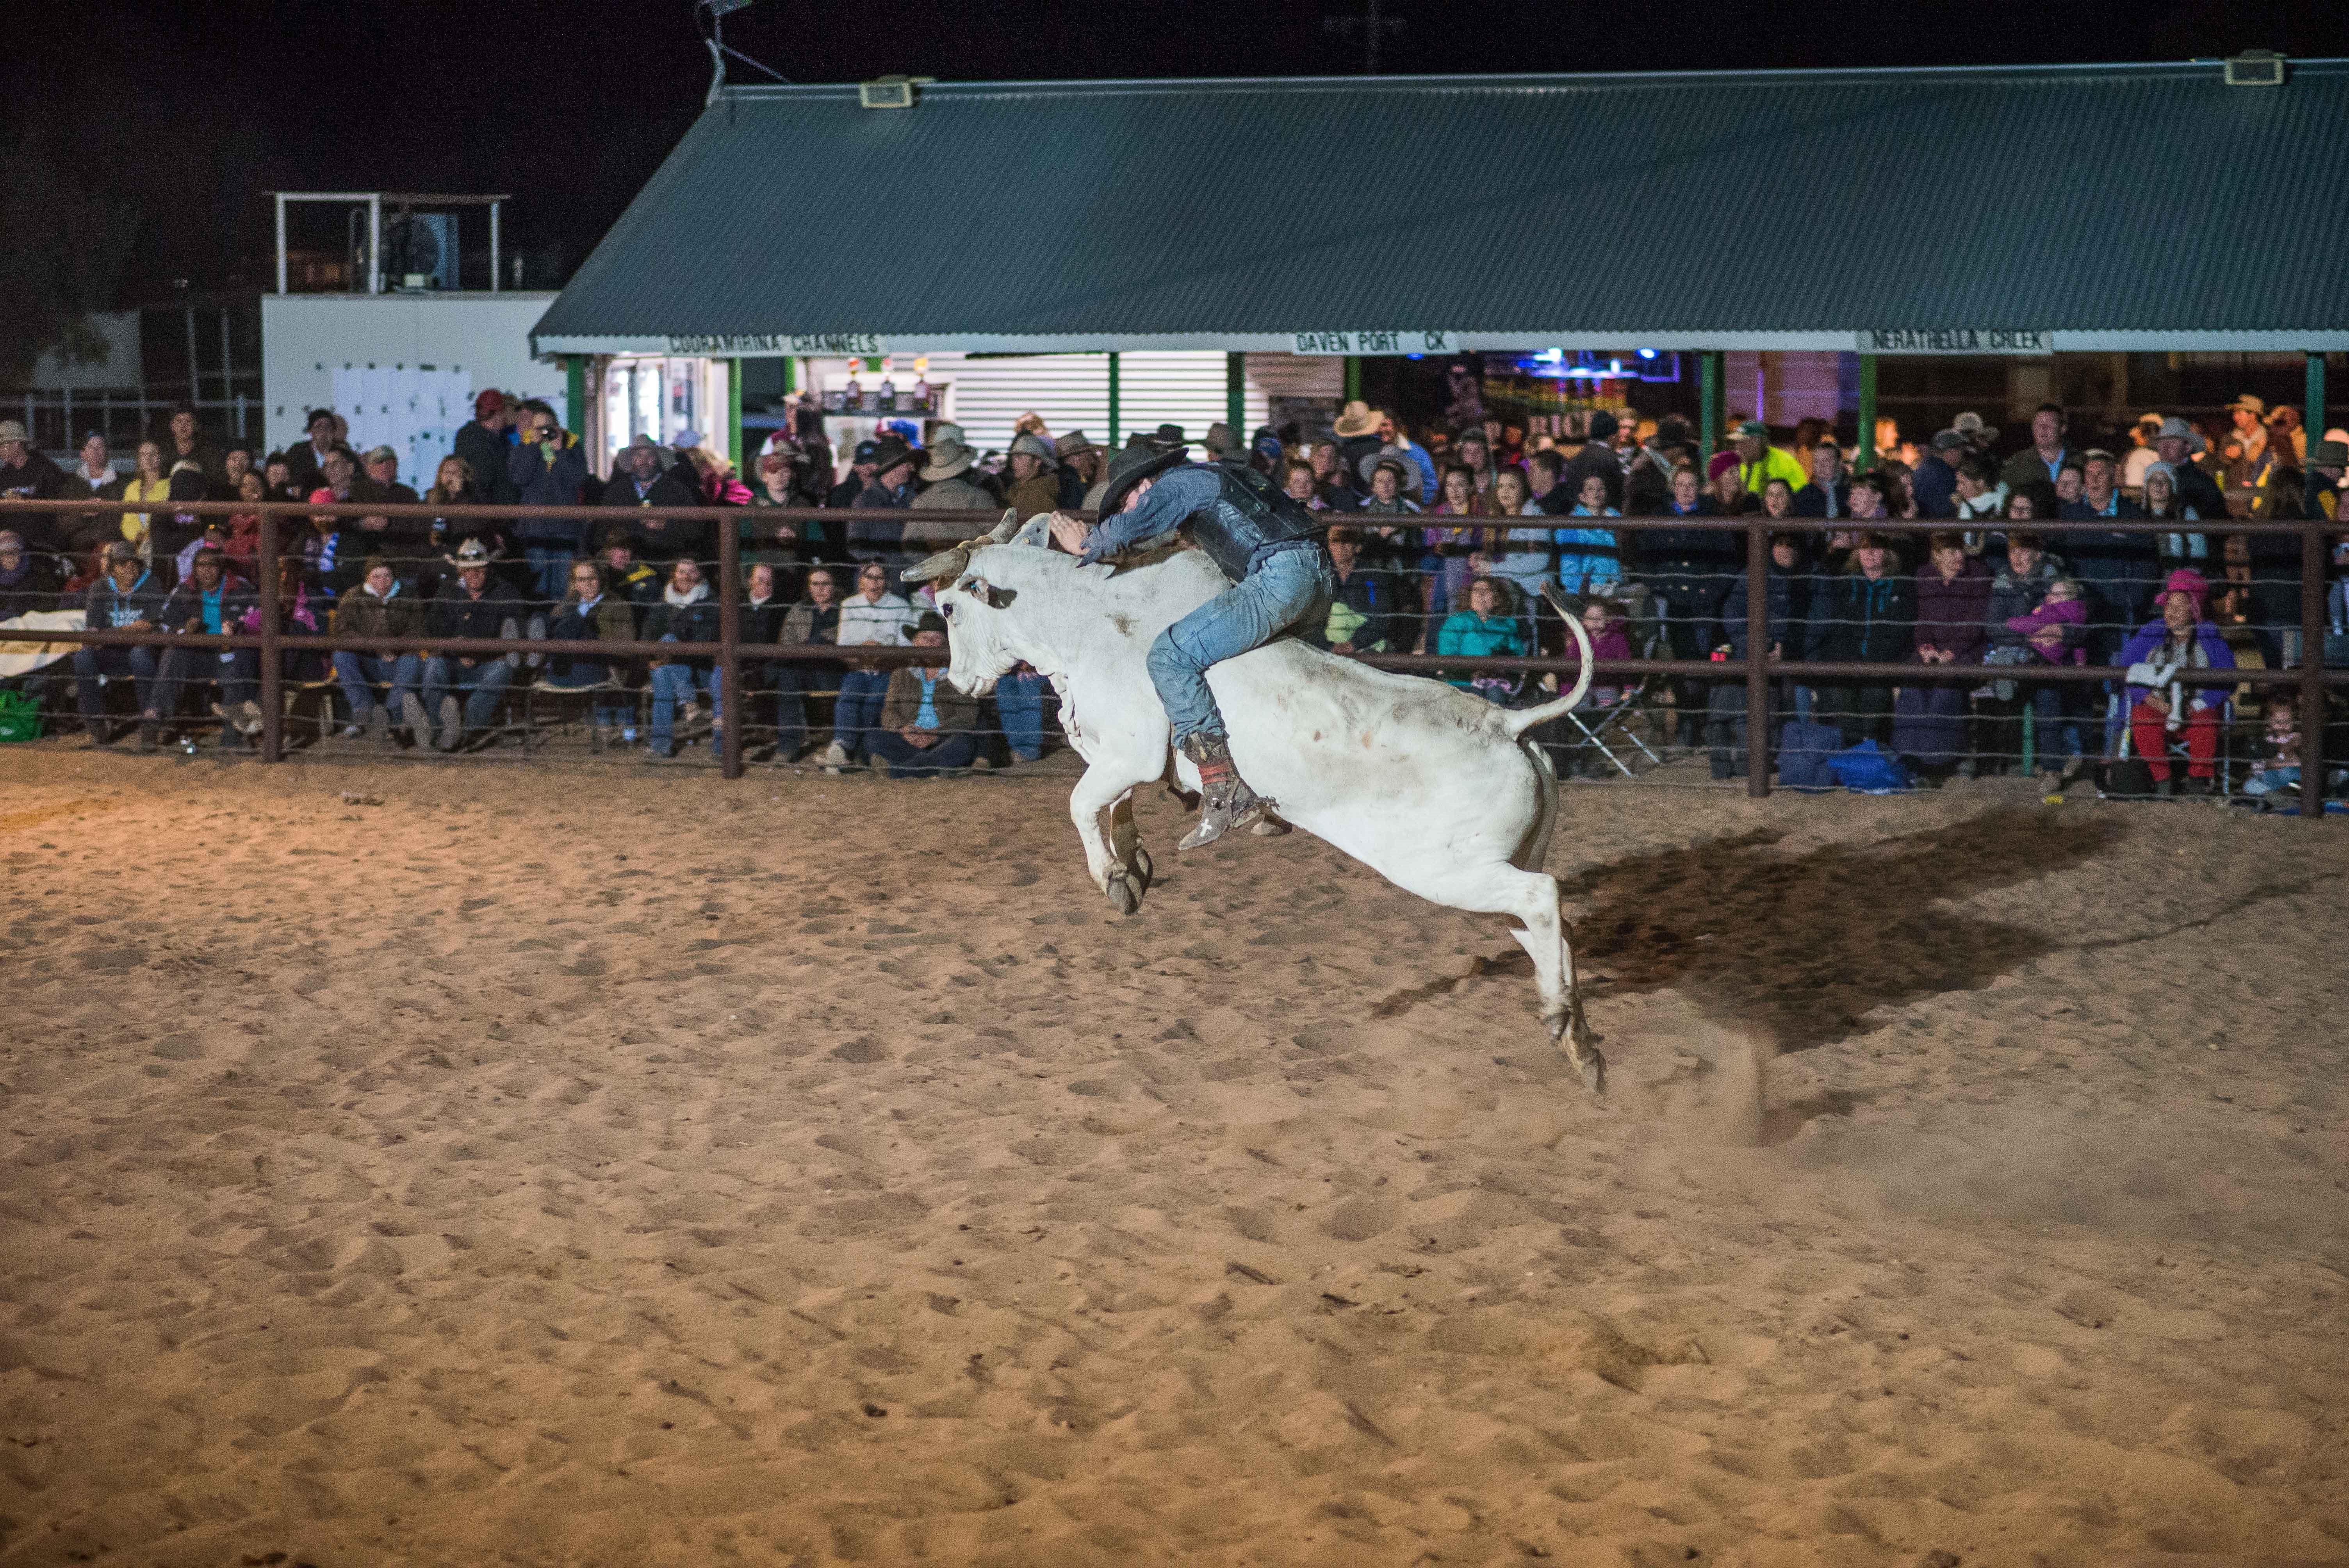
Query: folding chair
(1609,729)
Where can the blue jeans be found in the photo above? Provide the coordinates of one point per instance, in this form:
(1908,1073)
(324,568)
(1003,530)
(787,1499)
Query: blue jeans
(479,685)
(92,661)
(907,760)
(676,683)
(2272,780)
(1020,700)
(856,718)
(236,672)
(362,672)
(1290,586)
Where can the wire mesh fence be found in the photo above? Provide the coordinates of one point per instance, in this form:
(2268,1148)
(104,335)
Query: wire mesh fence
(512,647)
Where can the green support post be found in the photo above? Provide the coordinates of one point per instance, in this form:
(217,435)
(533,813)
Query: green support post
(1867,459)
(1236,397)
(2312,412)
(1709,406)
(741,459)
(790,376)
(1353,378)
(574,394)
(1114,437)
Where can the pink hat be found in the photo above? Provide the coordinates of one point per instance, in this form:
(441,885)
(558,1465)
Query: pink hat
(1721,464)
(2190,582)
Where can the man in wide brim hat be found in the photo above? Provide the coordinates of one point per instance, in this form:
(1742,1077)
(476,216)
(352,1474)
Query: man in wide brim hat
(1359,418)
(948,459)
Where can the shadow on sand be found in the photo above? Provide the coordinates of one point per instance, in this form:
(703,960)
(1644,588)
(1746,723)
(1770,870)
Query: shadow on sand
(1796,948)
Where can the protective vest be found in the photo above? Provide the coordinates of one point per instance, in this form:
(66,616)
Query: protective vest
(1249,514)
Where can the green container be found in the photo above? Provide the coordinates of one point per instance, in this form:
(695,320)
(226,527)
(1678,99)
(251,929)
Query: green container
(20,717)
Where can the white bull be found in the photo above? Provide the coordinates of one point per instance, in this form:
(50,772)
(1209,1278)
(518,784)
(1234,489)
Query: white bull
(1434,789)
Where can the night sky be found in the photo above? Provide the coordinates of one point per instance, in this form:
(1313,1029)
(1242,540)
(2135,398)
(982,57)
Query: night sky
(190,113)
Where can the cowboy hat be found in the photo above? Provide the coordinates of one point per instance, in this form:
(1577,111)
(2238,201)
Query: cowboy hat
(889,453)
(1407,475)
(1220,439)
(13,430)
(1129,469)
(1358,419)
(947,459)
(473,552)
(1035,447)
(1070,445)
(1969,424)
(2249,404)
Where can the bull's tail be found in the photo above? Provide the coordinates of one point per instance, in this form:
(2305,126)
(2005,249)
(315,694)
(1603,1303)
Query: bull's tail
(1519,720)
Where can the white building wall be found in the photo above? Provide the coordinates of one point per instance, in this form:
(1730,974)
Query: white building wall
(400,361)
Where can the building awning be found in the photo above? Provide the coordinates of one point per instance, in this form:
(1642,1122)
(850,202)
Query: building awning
(1999,211)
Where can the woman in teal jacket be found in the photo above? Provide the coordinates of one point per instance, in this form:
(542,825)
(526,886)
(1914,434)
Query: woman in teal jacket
(1485,630)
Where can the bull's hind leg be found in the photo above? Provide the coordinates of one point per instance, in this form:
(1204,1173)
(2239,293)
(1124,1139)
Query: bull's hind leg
(1532,897)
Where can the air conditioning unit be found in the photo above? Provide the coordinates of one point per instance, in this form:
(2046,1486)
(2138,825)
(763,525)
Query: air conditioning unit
(2255,68)
(420,250)
(889,92)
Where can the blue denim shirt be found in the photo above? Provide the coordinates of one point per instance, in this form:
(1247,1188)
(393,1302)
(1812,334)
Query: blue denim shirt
(1174,496)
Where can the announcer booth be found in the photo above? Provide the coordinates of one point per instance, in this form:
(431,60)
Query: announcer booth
(1692,276)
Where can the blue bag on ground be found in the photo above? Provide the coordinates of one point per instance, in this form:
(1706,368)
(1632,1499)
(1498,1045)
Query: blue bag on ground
(1802,753)
(1869,769)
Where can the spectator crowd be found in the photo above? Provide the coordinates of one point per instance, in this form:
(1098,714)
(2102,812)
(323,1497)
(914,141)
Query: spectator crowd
(1454,542)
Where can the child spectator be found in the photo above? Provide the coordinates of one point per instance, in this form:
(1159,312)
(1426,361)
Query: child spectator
(925,725)
(2278,768)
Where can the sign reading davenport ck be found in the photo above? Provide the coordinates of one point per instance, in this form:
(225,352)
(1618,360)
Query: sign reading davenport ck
(1398,340)
(1955,340)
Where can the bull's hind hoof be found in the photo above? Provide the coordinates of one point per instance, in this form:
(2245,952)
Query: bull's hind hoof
(1592,1070)
(1145,869)
(1124,892)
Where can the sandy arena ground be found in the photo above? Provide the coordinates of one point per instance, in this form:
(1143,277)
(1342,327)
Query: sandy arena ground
(565,1165)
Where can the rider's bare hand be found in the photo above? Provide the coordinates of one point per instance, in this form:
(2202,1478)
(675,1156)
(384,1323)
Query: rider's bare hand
(1071,533)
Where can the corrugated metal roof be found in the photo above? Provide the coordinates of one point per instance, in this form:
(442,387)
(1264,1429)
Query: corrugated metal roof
(2112,200)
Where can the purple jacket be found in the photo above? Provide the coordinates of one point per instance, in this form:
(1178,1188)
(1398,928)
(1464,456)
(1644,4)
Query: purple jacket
(2072,614)
(2148,641)
(1952,612)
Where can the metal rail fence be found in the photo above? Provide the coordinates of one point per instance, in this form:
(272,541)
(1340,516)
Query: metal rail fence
(2312,678)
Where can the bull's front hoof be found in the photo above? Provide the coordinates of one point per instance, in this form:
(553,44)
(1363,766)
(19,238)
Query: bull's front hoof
(1124,890)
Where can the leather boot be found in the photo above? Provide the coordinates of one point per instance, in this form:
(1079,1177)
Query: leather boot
(1227,800)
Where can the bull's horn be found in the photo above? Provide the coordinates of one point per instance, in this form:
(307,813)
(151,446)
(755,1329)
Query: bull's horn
(1002,532)
(945,564)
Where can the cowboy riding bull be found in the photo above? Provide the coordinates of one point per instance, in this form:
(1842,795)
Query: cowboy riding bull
(1172,661)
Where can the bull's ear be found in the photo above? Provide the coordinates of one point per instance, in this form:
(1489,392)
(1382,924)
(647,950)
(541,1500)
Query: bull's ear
(1037,531)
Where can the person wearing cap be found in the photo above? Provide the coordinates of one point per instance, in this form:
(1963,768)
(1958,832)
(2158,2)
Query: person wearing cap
(640,478)
(547,468)
(2160,707)
(29,581)
(27,474)
(859,474)
(380,606)
(946,487)
(2174,444)
(462,690)
(1934,484)
(2141,454)
(1081,467)
(125,598)
(1282,577)
(1033,488)
(484,444)
(1758,463)
(1369,612)
(891,489)
(2327,461)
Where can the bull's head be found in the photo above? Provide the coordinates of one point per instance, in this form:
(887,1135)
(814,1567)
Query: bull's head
(972,608)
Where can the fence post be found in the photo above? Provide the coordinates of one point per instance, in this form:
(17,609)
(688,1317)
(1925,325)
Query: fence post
(273,679)
(1757,659)
(732,701)
(2312,669)
(1866,458)
(1708,395)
